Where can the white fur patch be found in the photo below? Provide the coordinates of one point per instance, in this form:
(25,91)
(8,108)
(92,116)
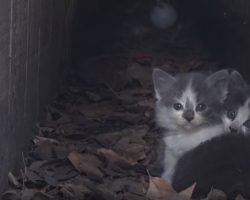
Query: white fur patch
(188,94)
(157,95)
(179,143)
(226,123)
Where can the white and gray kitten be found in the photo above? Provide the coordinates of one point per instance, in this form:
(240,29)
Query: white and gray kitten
(189,108)
(236,115)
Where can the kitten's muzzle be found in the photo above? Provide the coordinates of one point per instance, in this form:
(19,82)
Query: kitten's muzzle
(188,115)
(233,129)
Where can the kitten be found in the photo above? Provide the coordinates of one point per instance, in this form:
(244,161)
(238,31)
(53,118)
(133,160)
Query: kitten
(236,116)
(188,107)
(222,163)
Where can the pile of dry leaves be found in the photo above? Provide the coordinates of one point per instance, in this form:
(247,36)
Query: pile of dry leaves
(98,140)
(93,146)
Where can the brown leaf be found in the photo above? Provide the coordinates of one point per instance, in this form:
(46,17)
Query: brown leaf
(10,195)
(131,196)
(133,151)
(108,139)
(47,150)
(110,155)
(87,164)
(216,194)
(159,188)
(42,139)
(74,190)
(33,173)
(188,191)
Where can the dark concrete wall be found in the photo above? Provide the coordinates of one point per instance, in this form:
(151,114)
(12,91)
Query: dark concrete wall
(34,53)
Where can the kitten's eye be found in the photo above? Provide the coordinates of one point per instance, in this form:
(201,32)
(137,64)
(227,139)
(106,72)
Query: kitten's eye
(178,106)
(231,114)
(247,124)
(201,107)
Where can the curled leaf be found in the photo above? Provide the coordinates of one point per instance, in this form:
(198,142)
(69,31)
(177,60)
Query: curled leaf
(87,164)
(188,191)
(159,188)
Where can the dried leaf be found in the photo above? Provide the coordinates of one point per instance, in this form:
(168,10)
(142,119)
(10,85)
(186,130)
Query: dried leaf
(110,155)
(39,139)
(159,188)
(50,172)
(108,139)
(33,173)
(10,195)
(133,151)
(74,190)
(216,194)
(47,150)
(132,196)
(188,191)
(87,164)
(64,172)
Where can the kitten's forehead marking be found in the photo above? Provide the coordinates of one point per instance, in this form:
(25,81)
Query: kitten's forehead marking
(189,105)
(188,97)
(243,113)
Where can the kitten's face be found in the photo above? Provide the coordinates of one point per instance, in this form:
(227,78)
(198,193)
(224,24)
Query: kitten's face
(186,102)
(236,116)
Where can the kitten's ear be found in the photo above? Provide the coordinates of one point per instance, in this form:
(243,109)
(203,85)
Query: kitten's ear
(162,81)
(237,79)
(219,81)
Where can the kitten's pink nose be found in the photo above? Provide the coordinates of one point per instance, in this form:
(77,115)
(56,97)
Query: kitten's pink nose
(188,115)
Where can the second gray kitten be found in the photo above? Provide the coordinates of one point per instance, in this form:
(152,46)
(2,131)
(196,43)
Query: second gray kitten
(236,115)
